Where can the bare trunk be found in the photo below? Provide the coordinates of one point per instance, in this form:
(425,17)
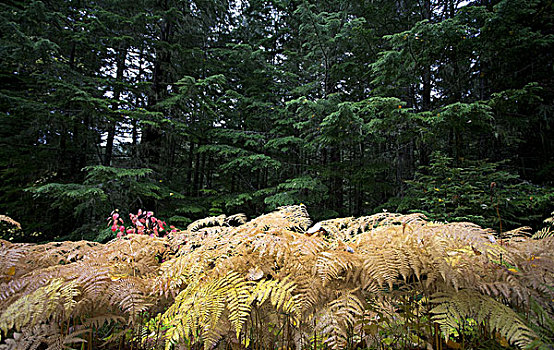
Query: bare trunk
(112,123)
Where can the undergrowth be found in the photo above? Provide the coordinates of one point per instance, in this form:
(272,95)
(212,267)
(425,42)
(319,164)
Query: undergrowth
(279,281)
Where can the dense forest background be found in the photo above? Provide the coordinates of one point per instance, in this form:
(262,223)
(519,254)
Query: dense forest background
(196,108)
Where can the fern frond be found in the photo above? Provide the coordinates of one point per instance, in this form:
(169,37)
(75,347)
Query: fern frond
(31,337)
(385,264)
(333,228)
(346,229)
(10,221)
(209,221)
(308,246)
(101,320)
(545,232)
(183,270)
(11,259)
(139,250)
(348,307)
(337,321)
(198,309)
(94,280)
(518,233)
(235,220)
(130,295)
(238,300)
(334,264)
(453,308)
(56,253)
(275,246)
(292,218)
(25,285)
(40,306)
(280,293)
(19,341)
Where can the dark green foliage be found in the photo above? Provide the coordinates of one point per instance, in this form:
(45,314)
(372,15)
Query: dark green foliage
(104,188)
(474,190)
(198,108)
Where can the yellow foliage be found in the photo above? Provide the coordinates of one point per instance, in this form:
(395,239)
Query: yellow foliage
(275,282)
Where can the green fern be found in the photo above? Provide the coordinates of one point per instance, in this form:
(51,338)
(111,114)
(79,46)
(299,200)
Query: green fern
(453,308)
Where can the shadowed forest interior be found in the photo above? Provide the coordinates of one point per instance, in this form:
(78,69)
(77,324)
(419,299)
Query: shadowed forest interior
(191,109)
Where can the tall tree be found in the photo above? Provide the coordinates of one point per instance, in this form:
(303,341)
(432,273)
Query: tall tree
(204,107)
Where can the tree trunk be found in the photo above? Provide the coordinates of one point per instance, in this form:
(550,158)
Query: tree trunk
(152,135)
(112,122)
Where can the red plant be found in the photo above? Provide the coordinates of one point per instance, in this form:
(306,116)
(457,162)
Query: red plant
(142,223)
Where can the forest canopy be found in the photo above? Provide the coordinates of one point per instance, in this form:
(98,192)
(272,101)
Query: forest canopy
(198,108)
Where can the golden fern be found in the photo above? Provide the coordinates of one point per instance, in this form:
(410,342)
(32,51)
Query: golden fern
(337,320)
(347,228)
(293,218)
(11,259)
(56,253)
(209,221)
(200,308)
(275,281)
(280,293)
(238,297)
(545,232)
(10,221)
(331,265)
(77,281)
(56,299)
(235,220)
(130,295)
(548,230)
(332,229)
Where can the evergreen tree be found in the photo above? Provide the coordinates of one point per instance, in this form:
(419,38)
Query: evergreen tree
(197,108)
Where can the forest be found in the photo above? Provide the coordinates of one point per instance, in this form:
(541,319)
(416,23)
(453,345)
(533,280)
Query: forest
(276,174)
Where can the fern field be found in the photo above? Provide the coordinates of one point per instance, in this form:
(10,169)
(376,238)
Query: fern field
(280,281)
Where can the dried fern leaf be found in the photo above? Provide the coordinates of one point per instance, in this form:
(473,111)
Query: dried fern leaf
(235,220)
(10,221)
(338,318)
(209,221)
(292,218)
(546,232)
(130,295)
(12,259)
